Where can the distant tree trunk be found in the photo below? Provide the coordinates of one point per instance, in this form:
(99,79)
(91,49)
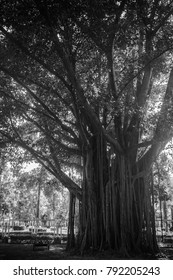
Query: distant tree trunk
(171,216)
(161,215)
(71,236)
(165,213)
(38,202)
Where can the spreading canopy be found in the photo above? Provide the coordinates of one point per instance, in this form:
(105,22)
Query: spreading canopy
(73,71)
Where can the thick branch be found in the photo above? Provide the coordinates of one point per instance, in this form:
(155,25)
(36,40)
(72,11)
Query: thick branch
(46,108)
(64,179)
(164,129)
(142,94)
(68,149)
(35,58)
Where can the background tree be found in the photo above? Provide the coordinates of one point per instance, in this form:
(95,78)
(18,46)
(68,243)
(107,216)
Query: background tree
(19,193)
(162,170)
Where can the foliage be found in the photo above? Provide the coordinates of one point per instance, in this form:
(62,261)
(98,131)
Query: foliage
(162,170)
(20,195)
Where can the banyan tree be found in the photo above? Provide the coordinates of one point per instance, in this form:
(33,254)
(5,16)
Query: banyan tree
(89,85)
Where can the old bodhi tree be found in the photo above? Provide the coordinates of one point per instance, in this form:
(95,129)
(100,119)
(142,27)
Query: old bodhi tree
(89,85)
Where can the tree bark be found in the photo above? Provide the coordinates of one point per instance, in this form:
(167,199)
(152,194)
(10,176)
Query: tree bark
(117,210)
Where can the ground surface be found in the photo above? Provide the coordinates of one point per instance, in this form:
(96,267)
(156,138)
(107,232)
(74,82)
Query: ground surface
(25,252)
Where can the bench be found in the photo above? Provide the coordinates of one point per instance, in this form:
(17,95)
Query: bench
(168,241)
(18,237)
(40,244)
(42,240)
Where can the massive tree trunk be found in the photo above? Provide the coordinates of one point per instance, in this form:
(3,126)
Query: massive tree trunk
(93,216)
(117,206)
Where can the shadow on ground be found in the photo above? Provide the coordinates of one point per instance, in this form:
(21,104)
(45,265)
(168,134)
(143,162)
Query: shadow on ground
(58,252)
(26,252)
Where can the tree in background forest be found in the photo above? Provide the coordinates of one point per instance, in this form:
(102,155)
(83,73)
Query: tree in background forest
(87,85)
(28,195)
(163,192)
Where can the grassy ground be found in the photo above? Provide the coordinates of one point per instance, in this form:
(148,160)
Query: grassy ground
(25,252)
